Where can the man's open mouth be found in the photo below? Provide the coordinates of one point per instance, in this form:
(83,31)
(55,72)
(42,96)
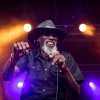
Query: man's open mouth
(50,43)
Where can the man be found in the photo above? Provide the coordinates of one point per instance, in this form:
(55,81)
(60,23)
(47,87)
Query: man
(51,74)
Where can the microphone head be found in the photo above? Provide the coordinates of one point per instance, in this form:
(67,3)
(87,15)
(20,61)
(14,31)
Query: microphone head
(54,53)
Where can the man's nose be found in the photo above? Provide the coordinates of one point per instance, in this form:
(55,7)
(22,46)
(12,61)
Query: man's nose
(51,37)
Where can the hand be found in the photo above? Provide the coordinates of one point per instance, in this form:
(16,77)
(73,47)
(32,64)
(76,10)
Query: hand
(61,61)
(19,49)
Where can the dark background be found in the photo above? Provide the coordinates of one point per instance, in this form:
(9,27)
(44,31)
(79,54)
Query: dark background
(61,11)
(66,14)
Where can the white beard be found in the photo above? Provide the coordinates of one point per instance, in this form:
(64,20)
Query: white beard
(50,51)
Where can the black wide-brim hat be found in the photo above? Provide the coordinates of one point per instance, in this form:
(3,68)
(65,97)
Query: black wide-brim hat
(46,28)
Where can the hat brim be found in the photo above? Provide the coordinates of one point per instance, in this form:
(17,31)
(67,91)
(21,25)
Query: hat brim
(34,34)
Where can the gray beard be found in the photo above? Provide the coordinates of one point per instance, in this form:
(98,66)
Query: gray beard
(50,51)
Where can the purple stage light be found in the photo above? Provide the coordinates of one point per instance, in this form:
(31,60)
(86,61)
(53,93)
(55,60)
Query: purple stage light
(91,84)
(65,26)
(20,84)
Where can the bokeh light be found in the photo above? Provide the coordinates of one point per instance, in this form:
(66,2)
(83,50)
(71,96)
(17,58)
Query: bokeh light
(27,27)
(82,27)
(87,29)
(91,84)
(20,84)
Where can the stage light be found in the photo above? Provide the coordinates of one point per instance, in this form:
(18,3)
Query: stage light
(87,29)
(92,85)
(65,26)
(27,27)
(95,89)
(20,84)
(82,27)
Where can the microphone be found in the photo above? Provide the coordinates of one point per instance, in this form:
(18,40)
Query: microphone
(53,54)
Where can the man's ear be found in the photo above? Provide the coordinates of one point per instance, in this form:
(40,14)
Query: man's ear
(36,42)
(39,39)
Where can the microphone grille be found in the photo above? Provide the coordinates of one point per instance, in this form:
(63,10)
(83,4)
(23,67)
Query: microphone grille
(54,53)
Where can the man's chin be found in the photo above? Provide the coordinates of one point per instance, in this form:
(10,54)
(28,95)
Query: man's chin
(49,50)
(50,47)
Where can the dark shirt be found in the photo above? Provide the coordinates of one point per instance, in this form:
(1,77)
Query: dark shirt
(45,81)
